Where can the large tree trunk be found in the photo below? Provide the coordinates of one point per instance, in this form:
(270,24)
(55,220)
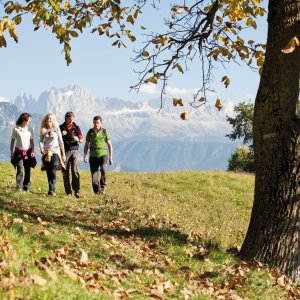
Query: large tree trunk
(273,236)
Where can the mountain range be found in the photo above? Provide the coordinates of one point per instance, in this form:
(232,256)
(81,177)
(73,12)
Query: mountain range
(143,138)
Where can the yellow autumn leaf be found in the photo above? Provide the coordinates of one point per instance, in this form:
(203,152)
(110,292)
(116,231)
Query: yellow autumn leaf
(291,46)
(218,104)
(226,81)
(145,54)
(130,19)
(67,4)
(136,13)
(165,40)
(162,41)
(180,68)
(177,101)
(184,116)
(153,80)
(155,42)
(1,28)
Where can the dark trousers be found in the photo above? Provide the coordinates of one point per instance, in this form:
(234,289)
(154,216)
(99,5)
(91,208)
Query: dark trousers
(23,169)
(51,169)
(95,163)
(71,162)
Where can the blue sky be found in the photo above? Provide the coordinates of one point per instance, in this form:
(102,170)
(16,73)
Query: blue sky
(36,64)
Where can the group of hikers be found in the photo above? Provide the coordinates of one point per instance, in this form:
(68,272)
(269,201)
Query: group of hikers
(59,146)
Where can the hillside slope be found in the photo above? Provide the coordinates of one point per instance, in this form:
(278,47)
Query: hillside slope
(154,235)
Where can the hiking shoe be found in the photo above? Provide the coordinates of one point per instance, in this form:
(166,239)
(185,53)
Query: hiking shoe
(50,193)
(69,194)
(77,195)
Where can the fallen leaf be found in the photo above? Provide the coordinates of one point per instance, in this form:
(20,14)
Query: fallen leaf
(17,221)
(37,279)
(84,257)
(281,280)
(72,275)
(44,232)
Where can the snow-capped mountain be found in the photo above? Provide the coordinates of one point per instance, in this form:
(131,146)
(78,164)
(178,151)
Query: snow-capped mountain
(130,120)
(143,139)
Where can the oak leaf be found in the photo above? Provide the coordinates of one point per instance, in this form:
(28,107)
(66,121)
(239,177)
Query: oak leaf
(38,280)
(218,104)
(184,116)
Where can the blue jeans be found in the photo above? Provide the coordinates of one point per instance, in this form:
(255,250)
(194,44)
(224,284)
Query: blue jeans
(51,169)
(95,163)
(22,165)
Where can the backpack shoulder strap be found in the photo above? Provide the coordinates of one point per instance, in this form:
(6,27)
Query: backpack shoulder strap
(104,135)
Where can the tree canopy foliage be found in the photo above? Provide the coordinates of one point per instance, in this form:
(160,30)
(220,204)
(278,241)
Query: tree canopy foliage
(242,123)
(242,160)
(207,29)
(68,19)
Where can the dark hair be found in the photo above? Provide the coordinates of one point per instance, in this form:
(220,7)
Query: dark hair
(23,117)
(69,114)
(97,118)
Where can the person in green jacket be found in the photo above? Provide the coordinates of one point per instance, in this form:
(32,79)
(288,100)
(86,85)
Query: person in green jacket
(98,141)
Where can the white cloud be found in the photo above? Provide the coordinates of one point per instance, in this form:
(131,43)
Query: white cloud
(153,89)
(150,88)
(174,91)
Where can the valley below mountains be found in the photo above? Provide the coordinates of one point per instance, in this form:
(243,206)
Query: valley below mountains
(143,139)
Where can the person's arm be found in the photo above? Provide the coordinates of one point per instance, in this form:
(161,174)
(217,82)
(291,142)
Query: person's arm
(61,144)
(110,150)
(63,154)
(32,143)
(12,147)
(12,143)
(86,149)
(41,145)
(79,137)
(32,147)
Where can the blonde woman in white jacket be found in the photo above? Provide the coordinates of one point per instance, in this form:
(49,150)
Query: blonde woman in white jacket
(52,149)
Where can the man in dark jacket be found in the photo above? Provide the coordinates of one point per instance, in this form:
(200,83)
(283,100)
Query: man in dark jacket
(72,136)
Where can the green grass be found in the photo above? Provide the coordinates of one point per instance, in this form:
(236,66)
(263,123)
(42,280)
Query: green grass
(161,235)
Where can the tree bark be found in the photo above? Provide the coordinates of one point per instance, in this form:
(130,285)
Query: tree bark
(273,235)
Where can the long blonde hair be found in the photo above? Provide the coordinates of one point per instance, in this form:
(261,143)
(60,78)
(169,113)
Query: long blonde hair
(43,126)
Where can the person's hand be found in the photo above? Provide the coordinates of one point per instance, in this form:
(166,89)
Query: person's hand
(12,155)
(43,152)
(76,138)
(110,161)
(85,159)
(32,154)
(63,157)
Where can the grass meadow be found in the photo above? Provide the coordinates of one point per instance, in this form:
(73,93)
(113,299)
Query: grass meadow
(152,236)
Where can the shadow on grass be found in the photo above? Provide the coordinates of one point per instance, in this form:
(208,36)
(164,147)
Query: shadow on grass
(171,235)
